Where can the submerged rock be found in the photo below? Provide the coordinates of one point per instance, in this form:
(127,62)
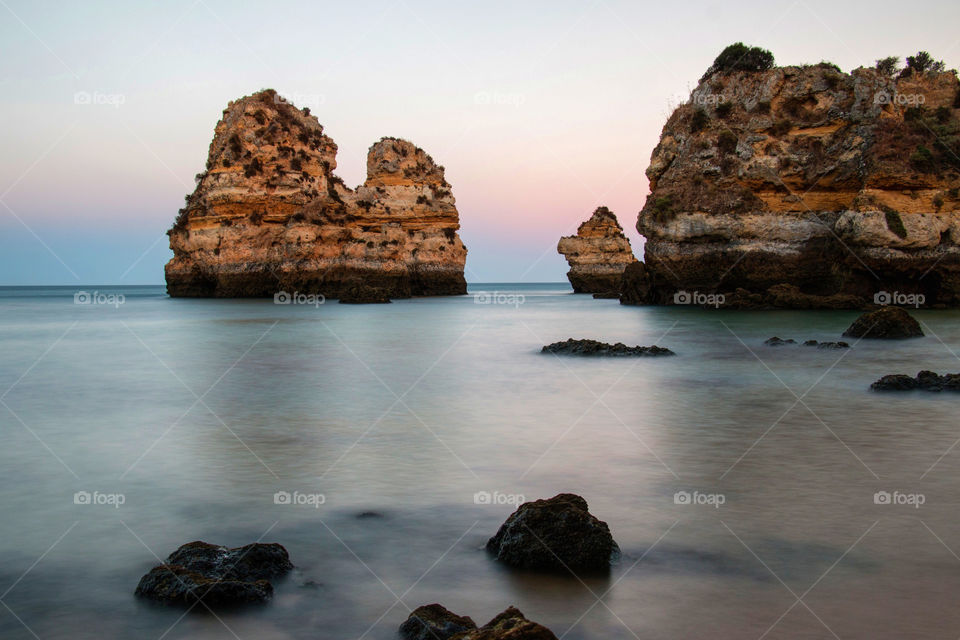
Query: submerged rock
(216,575)
(594,348)
(434,622)
(885,323)
(779,342)
(925,380)
(558,534)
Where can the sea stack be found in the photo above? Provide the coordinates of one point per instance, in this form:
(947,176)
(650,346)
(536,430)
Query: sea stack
(597,255)
(806,187)
(269,215)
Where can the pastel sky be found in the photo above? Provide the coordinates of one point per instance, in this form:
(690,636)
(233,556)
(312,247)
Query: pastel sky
(539,110)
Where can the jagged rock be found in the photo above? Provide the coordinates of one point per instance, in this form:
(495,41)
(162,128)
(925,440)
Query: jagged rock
(597,255)
(216,575)
(635,285)
(778,342)
(886,323)
(434,622)
(558,534)
(594,348)
(804,187)
(269,214)
(925,380)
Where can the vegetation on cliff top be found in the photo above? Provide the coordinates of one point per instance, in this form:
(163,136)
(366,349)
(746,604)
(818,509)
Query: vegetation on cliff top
(740,57)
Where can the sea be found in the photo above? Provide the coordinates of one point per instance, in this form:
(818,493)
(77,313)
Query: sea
(754,491)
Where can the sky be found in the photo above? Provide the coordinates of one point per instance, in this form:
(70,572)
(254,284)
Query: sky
(539,110)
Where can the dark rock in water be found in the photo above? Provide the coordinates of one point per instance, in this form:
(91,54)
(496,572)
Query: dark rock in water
(366,515)
(558,534)
(434,622)
(216,575)
(886,323)
(364,294)
(778,342)
(635,285)
(511,624)
(831,345)
(595,348)
(606,295)
(925,380)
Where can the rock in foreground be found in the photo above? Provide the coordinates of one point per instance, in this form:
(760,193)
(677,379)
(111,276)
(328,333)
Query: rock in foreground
(216,575)
(597,255)
(434,622)
(780,342)
(595,348)
(558,534)
(889,323)
(269,215)
(925,380)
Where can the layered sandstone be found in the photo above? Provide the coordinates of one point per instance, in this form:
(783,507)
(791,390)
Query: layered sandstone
(269,215)
(805,187)
(598,254)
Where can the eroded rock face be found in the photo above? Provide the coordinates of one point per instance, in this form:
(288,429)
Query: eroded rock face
(597,255)
(889,323)
(269,214)
(216,575)
(806,187)
(559,534)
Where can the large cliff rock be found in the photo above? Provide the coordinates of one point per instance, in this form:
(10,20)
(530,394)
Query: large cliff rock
(598,254)
(269,215)
(806,187)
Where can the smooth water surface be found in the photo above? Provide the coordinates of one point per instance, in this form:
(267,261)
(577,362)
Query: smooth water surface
(195,413)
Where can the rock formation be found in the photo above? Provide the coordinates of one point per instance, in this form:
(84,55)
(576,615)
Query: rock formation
(216,575)
(597,255)
(889,323)
(806,187)
(587,347)
(559,534)
(269,214)
(925,380)
(434,622)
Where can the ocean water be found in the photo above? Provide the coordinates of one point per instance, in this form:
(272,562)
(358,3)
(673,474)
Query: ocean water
(421,422)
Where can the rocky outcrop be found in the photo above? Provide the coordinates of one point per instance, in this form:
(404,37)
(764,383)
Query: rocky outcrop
(587,347)
(434,622)
(889,323)
(597,255)
(806,187)
(559,534)
(269,214)
(216,575)
(925,380)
